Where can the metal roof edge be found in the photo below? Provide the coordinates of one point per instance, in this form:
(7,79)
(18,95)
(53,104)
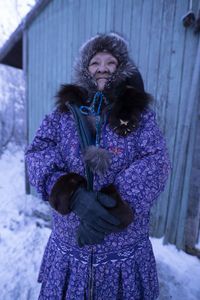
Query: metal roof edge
(34,12)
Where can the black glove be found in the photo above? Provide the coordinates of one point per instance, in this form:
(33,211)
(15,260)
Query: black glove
(91,207)
(86,235)
(89,234)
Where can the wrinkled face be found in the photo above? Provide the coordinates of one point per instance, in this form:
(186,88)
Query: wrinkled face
(101,67)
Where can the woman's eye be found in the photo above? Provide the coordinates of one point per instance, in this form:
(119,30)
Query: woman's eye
(111,63)
(93,63)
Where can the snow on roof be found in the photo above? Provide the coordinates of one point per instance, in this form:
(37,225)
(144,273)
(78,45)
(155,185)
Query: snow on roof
(12,51)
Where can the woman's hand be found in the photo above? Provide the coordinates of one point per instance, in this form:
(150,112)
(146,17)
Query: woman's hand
(91,207)
(86,235)
(89,233)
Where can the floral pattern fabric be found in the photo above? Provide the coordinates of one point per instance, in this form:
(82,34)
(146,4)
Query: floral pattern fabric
(123,266)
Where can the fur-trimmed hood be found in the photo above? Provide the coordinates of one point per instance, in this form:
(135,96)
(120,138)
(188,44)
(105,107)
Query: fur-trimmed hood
(117,46)
(124,89)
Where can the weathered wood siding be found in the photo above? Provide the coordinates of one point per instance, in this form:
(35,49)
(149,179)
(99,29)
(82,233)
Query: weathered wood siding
(165,53)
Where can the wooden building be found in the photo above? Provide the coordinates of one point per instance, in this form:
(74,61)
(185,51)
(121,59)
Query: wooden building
(46,44)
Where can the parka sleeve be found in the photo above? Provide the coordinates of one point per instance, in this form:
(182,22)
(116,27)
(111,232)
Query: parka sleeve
(145,178)
(43,159)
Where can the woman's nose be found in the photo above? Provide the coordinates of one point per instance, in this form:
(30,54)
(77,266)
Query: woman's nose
(102,68)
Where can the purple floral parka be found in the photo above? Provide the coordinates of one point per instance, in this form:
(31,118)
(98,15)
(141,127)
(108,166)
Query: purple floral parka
(123,266)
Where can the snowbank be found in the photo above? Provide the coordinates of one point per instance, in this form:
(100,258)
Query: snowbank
(22,235)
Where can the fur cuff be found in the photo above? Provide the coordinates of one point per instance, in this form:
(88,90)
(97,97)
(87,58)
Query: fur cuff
(63,189)
(122,210)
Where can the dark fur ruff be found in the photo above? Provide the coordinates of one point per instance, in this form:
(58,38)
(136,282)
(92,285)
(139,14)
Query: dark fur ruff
(70,93)
(126,106)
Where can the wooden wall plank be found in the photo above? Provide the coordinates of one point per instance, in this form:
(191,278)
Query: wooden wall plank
(192,227)
(69,19)
(189,137)
(153,57)
(154,49)
(127,18)
(175,78)
(136,30)
(186,83)
(64,25)
(60,30)
(145,36)
(166,21)
(94,18)
(75,30)
(102,16)
(82,21)
(118,17)
(52,68)
(110,16)
(88,16)
(190,55)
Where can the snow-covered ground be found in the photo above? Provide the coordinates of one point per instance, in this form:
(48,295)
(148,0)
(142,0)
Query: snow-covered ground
(23,236)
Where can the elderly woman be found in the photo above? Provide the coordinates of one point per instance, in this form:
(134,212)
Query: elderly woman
(101,161)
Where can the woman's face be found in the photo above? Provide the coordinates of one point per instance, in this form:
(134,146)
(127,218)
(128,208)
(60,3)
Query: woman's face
(101,66)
